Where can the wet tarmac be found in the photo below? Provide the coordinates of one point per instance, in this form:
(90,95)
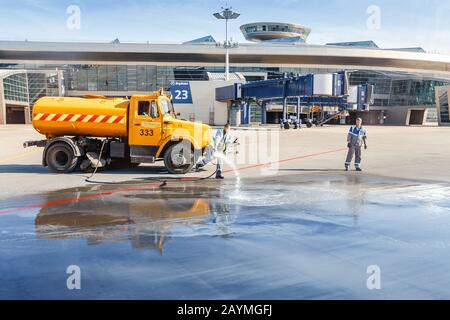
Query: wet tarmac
(302,236)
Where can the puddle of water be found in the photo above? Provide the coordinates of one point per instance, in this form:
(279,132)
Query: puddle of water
(281,238)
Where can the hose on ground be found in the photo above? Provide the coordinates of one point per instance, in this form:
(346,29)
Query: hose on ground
(99,161)
(163,181)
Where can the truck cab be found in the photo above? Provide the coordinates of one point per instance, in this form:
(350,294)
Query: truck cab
(156,133)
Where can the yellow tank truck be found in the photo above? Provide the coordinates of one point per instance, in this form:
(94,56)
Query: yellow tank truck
(96,131)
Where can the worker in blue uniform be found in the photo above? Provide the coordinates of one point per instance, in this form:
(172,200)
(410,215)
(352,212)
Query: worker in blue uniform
(356,139)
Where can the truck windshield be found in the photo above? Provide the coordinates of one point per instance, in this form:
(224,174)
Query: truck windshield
(167,107)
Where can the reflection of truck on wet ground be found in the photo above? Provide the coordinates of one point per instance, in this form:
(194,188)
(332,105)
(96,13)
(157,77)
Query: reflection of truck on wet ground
(144,217)
(96,131)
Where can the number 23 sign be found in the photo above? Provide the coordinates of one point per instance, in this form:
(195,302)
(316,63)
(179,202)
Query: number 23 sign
(181,92)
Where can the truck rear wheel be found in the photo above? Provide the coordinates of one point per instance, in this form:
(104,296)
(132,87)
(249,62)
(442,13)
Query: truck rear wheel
(179,158)
(60,158)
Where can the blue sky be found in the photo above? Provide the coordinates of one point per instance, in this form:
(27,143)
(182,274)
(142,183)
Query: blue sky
(406,23)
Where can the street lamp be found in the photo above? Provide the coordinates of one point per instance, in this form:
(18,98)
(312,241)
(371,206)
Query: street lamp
(227,14)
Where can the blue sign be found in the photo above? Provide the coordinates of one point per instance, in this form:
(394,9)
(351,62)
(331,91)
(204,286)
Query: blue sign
(181,92)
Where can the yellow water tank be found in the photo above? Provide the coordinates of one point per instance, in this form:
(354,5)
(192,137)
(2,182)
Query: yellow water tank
(92,116)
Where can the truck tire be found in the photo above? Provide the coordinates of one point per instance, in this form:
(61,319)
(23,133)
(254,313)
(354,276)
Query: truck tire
(60,158)
(179,158)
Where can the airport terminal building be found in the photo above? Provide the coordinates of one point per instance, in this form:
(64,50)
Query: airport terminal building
(405,79)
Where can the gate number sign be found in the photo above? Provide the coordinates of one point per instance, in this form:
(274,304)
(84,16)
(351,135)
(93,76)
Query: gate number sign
(181,92)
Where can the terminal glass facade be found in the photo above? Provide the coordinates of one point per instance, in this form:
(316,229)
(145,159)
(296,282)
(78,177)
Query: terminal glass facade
(16,88)
(266,31)
(274,28)
(391,89)
(122,77)
(444,106)
(23,89)
(39,85)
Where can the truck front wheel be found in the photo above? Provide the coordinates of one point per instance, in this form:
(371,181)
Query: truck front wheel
(179,158)
(60,158)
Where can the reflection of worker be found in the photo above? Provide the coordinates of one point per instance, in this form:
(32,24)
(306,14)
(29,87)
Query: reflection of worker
(357,137)
(218,149)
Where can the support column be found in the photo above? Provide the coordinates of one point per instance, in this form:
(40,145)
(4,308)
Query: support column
(242,112)
(298,109)
(61,84)
(236,114)
(2,104)
(245,115)
(284,109)
(264,113)
(27,115)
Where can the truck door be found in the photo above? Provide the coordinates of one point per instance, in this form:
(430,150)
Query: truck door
(146,124)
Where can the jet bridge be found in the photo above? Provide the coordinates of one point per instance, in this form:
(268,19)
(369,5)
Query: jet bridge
(313,93)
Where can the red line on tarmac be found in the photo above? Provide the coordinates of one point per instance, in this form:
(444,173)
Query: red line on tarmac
(88,197)
(287,160)
(145,186)
(269,163)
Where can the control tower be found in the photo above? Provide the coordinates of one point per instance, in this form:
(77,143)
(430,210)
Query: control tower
(275,32)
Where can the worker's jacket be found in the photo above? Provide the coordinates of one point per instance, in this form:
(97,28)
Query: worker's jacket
(221,141)
(357,137)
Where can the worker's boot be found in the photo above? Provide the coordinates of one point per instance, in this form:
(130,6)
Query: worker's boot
(219,175)
(358,169)
(199,166)
(346,167)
